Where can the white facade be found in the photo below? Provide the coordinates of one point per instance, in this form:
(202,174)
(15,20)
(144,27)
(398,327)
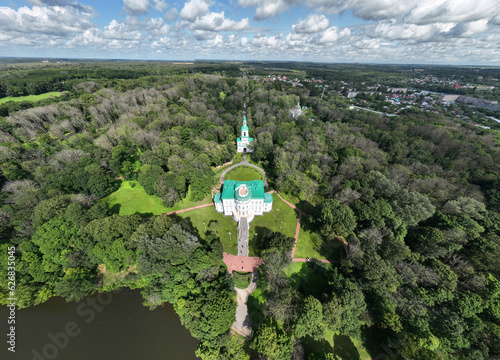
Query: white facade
(242,204)
(243,141)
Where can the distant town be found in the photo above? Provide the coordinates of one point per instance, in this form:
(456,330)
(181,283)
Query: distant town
(418,94)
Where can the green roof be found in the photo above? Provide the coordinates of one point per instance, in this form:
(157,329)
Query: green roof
(244,128)
(255,187)
(268,198)
(217,198)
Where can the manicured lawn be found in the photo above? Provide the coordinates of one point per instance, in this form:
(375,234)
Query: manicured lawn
(31,97)
(302,204)
(272,220)
(244,173)
(131,198)
(311,244)
(217,222)
(242,279)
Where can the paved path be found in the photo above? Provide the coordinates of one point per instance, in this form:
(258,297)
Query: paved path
(316,260)
(297,229)
(291,205)
(243,228)
(242,323)
(191,208)
(245,163)
(241,263)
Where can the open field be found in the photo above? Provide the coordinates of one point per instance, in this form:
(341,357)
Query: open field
(131,198)
(217,222)
(244,173)
(311,245)
(31,97)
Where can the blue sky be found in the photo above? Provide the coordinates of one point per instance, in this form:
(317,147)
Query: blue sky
(368,31)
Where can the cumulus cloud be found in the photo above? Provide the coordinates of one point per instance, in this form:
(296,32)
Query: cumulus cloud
(217,22)
(313,23)
(333,35)
(194,8)
(170,15)
(57,21)
(63,3)
(268,8)
(136,7)
(160,5)
(120,31)
(392,30)
(428,11)
(469,29)
(418,12)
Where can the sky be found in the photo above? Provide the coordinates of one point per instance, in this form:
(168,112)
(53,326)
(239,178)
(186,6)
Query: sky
(366,31)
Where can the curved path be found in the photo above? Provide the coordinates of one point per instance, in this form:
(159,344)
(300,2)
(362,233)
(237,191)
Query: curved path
(245,163)
(242,323)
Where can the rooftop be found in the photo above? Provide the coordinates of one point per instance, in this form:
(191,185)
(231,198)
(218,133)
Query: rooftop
(253,189)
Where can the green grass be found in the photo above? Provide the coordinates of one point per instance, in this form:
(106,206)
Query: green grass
(302,204)
(244,173)
(293,268)
(242,279)
(238,157)
(131,198)
(312,245)
(272,220)
(31,97)
(217,222)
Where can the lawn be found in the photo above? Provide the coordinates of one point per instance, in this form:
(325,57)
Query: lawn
(281,212)
(131,198)
(242,279)
(217,222)
(244,173)
(31,97)
(305,206)
(293,268)
(311,244)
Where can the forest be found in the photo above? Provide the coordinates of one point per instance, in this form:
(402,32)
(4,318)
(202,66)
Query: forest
(416,198)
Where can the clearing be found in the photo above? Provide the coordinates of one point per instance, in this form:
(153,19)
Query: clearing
(131,198)
(281,218)
(312,245)
(209,219)
(31,97)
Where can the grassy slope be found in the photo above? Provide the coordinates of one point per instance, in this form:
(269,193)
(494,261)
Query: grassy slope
(31,97)
(272,220)
(131,198)
(244,173)
(311,244)
(217,222)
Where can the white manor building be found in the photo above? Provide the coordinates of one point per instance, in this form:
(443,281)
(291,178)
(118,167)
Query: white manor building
(243,199)
(243,141)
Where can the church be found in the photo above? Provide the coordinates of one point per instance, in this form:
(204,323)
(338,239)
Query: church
(243,199)
(243,141)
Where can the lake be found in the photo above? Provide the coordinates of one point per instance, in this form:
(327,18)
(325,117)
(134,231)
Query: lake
(111,326)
